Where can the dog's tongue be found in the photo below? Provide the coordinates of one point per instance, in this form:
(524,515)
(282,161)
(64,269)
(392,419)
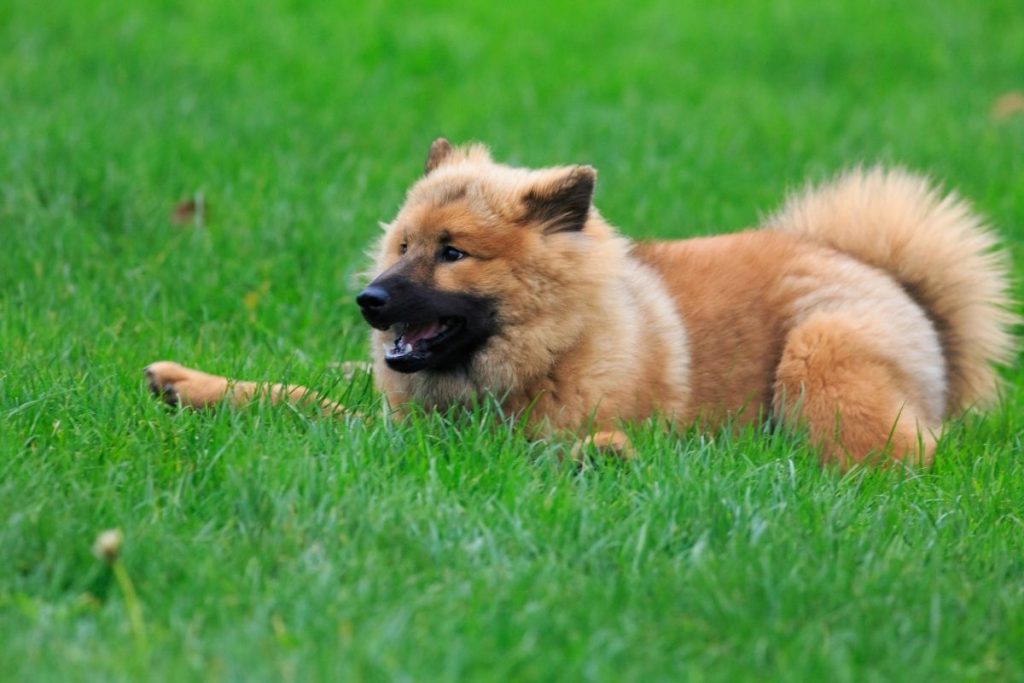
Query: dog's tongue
(414,333)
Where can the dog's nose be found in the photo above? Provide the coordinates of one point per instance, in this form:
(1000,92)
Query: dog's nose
(372,297)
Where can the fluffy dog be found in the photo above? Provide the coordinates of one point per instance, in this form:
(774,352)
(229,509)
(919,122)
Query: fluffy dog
(866,310)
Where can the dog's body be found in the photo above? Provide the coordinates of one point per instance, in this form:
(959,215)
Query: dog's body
(867,310)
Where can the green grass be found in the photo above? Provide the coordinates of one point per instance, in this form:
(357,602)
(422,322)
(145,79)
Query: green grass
(266,545)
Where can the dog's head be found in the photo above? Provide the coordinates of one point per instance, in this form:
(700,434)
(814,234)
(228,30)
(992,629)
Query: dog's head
(485,269)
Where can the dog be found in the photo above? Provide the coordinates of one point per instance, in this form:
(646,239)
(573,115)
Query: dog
(866,311)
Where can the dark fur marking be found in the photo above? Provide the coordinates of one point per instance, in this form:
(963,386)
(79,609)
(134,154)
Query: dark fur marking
(414,302)
(566,206)
(947,337)
(440,150)
(452,195)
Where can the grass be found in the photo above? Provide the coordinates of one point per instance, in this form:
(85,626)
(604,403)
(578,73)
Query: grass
(266,545)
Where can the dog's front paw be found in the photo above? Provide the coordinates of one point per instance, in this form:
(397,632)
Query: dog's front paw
(607,443)
(161,378)
(177,385)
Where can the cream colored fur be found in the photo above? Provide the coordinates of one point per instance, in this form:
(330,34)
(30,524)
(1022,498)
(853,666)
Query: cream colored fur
(933,245)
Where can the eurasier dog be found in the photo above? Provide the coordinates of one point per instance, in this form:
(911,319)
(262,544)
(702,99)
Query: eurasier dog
(866,311)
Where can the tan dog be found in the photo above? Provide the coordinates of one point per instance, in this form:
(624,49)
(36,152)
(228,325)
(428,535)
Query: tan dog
(866,310)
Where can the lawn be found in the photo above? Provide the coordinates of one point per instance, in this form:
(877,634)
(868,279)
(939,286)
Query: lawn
(266,544)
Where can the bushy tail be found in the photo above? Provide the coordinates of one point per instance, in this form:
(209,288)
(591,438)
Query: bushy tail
(936,248)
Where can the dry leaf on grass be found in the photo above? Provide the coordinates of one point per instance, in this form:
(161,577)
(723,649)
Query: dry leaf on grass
(192,210)
(1008,105)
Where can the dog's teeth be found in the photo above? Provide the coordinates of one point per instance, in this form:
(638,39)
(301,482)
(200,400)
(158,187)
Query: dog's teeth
(407,348)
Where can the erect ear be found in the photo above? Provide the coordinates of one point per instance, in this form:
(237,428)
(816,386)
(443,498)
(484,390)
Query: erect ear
(561,201)
(440,150)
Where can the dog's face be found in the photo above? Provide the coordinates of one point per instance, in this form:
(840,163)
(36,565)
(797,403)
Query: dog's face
(479,267)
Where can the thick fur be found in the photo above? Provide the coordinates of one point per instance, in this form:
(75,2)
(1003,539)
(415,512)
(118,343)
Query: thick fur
(866,310)
(933,246)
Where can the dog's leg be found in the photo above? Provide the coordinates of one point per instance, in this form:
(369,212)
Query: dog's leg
(853,401)
(610,442)
(178,385)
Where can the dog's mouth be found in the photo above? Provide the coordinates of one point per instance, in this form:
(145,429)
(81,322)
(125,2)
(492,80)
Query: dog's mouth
(423,328)
(417,345)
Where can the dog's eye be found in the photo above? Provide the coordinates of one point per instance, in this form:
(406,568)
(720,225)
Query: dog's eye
(403,248)
(451,254)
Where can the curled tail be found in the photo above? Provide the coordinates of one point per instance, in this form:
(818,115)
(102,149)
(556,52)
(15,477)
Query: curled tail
(936,248)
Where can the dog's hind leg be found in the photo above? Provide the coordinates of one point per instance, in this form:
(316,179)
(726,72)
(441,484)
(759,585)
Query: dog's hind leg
(854,401)
(178,385)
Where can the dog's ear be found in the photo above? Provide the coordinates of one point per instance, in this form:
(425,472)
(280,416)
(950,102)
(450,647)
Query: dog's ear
(440,150)
(443,153)
(560,202)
